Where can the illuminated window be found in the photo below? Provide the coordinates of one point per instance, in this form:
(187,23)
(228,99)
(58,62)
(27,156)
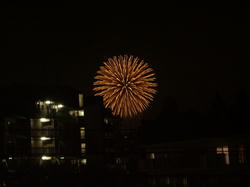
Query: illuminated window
(44,120)
(82,132)
(84,161)
(73,113)
(83,147)
(106,121)
(224,151)
(45,138)
(76,113)
(48,102)
(60,106)
(242,154)
(80,96)
(46,157)
(80,113)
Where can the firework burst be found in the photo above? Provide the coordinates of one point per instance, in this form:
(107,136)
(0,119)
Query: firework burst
(126,85)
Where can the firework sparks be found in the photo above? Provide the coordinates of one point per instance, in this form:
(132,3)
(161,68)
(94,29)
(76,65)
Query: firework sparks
(126,85)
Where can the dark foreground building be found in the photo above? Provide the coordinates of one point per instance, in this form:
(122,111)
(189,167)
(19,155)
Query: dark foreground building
(64,138)
(197,162)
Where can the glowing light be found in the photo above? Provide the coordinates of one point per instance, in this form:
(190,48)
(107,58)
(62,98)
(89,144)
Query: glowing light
(48,102)
(61,157)
(106,121)
(46,157)
(126,85)
(80,113)
(45,138)
(84,161)
(80,96)
(44,119)
(60,106)
(10,158)
(76,113)
(83,147)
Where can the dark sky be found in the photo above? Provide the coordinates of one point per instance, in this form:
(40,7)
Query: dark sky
(195,52)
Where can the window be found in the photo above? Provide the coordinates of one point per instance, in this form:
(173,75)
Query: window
(45,138)
(46,157)
(83,147)
(224,151)
(80,96)
(82,132)
(73,113)
(151,156)
(48,102)
(106,121)
(185,181)
(84,161)
(242,154)
(167,180)
(118,161)
(43,120)
(80,113)
(60,106)
(77,113)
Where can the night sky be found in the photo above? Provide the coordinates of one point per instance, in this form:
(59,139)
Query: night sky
(195,52)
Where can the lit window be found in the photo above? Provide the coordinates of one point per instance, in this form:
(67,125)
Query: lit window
(46,157)
(84,161)
(45,138)
(106,121)
(44,119)
(80,113)
(55,107)
(60,106)
(82,132)
(83,147)
(219,150)
(80,100)
(224,150)
(76,113)
(72,113)
(48,102)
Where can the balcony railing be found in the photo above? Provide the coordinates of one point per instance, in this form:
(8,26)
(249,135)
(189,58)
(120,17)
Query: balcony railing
(43,151)
(42,132)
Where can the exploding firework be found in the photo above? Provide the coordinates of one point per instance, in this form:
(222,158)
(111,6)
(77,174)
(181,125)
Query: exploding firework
(126,85)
